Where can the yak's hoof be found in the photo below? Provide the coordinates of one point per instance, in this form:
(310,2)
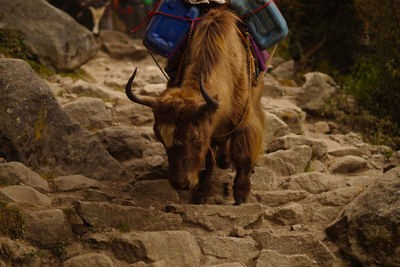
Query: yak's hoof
(240,194)
(239,201)
(201,198)
(222,164)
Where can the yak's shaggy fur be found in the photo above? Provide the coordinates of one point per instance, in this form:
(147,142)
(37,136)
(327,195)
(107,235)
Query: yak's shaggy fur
(188,127)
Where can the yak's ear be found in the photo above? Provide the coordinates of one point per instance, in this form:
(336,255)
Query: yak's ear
(204,108)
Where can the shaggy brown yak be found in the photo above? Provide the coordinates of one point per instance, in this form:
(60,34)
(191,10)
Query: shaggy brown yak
(196,117)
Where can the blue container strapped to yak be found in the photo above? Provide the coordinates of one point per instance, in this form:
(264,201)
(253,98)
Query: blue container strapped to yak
(172,23)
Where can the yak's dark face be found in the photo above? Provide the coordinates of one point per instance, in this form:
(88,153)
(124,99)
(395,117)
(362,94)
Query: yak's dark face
(183,124)
(186,143)
(97,9)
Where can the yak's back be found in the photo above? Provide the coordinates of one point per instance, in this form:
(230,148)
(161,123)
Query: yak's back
(212,38)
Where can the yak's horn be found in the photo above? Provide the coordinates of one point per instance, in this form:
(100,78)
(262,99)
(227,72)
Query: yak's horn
(144,100)
(211,103)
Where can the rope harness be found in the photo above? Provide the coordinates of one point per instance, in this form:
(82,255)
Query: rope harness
(153,12)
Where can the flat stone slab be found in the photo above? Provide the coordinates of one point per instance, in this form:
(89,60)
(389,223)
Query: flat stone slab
(294,244)
(346,151)
(288,162)
(290,214)
(218,249)
(176,248)
(91,113)
(348,164)
(318,147)
(279,197)
(340,196)
(24,195)
(102,215)
(15,173)
(76,182)
(231,264)
(271,258)
(89,259)
(154,194)
(312,182)
(219,218)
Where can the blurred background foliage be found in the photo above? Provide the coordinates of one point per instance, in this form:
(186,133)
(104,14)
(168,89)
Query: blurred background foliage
(358,43)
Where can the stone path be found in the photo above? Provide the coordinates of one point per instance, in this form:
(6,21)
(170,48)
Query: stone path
(307,175)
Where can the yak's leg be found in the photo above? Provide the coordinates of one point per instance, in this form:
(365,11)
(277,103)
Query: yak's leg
(245,147)
(244,167)
(222,154)
(204,189)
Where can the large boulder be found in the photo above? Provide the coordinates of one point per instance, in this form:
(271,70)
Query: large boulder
(41,133)
(315,91)
(368,229)
(56,38)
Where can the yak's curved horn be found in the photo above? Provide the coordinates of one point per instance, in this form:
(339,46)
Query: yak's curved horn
(144,100)
(211,102)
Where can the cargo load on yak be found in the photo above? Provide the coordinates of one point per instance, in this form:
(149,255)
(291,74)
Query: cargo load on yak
(172,23)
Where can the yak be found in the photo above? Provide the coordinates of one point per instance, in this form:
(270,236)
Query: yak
(215,107)
(86,12)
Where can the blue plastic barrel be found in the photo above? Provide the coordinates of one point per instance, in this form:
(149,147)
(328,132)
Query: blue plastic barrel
(267,25)
(165,33)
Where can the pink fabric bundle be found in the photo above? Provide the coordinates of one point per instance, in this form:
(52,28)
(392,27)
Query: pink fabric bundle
(196,2)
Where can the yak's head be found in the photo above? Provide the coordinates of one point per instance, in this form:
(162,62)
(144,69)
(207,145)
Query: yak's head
(184,128)
(96,8)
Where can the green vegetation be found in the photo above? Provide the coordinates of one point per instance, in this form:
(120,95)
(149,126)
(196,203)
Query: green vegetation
(48,176)
(358,43)
(123,227)
(5,252)
(12,45)
(12,221)
(28,257)
(76,74)
(69,212)
(59,249)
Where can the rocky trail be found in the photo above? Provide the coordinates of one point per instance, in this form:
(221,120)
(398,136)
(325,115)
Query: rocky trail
(82,182)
